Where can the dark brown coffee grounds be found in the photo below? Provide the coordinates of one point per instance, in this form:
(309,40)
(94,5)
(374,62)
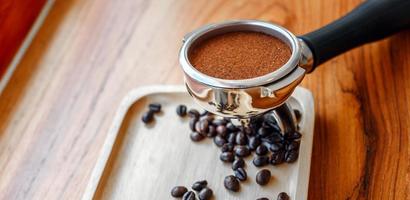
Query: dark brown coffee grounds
(239,55)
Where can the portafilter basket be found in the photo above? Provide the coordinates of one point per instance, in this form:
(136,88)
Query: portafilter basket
(245,98)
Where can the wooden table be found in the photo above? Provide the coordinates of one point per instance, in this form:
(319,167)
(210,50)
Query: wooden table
(58,106)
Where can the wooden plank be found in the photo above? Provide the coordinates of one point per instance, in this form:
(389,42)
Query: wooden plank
(57,108)
(17,18)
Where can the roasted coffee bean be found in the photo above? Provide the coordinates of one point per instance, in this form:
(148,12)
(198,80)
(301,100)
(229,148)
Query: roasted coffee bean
(199,185)
(208,117)
(263,198)
(219,121)
(211,131)
(263,177)
(270,120)
(227,147)
(181,110)
(231,127)
(227,156)
(283,196)
(242,151)
(205,194)
(202,126)
(231,183)
(293,136)
(261,150)
(192,123)
(240,138)
(178,191)
(189,196)
(275,147)
(238,163)
(219,141)
(254,142)
(147,117)
(196,137)
(291,156)
(193,113)
(277,157)
(294,145)
(221,130)
(264,132)
(274,138)
(260,161)
(154,107)
(240,174)
(231,138)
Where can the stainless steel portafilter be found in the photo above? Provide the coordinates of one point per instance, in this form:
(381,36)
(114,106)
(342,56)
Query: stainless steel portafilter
(370,21)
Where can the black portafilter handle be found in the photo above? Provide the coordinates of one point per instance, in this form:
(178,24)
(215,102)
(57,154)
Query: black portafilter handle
(370,21)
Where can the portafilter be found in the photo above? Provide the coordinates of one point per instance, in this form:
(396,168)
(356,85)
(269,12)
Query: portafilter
(370,21)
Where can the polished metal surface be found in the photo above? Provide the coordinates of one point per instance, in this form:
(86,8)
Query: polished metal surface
(248,97)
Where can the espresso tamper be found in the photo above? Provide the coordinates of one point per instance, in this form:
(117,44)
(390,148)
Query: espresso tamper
(243,99)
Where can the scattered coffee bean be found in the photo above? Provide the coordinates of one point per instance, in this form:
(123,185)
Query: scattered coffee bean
(199,185)
(277,157)
(242,151)
(219,141)
(193,113)
(181,110)
(154,107)
(205,194)
(291,156)
(221,130)
(189,196)
(283,196)
(240,138)
(263,132)
(293,136)
(273,138)
(147,117)
(261,150)
(192,123)
(227,147)
(253,143)
(232,138)
(260,161)
(270,120)
(231,127)
(178,191)
(275,147)
(263,177)
(211,131)
(231,183)
(240,174)
(196,137)
(227,157)
(202,126)
(263,198)
(238,163)
(219,121)
(294,145)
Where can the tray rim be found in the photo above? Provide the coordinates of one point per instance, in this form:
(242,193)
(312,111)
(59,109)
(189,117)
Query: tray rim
(121,113)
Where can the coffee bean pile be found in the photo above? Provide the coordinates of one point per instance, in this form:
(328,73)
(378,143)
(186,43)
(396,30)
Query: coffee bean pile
(203,192)
(263,136)
(148,116)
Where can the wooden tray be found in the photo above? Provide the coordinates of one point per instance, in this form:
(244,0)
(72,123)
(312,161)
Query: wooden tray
(141,161)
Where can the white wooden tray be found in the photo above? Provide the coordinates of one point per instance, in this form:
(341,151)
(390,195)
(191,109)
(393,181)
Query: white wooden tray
(141,161)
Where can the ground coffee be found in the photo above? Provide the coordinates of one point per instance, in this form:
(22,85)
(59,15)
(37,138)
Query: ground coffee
(239,55)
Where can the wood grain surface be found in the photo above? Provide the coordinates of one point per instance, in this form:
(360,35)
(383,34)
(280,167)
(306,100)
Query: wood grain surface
(58,106)
(16,19)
